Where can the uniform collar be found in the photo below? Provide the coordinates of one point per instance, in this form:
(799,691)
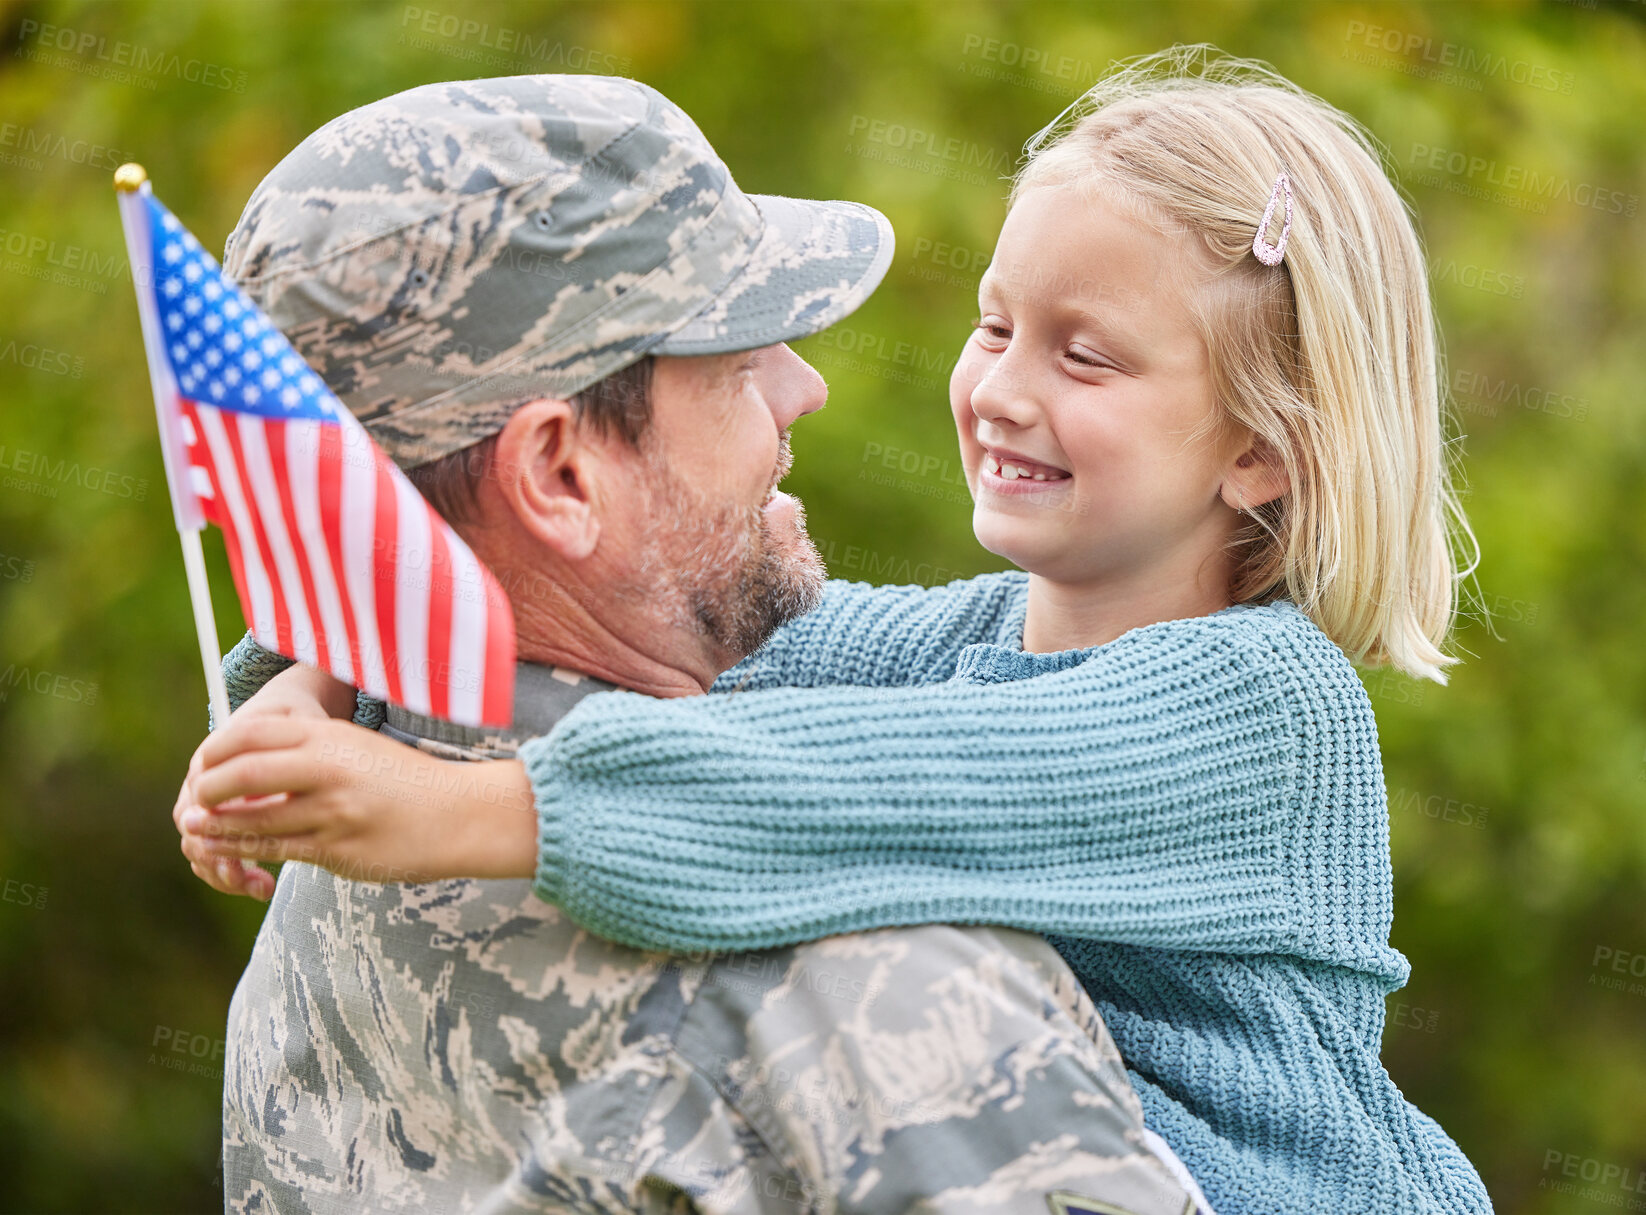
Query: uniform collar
(542,696)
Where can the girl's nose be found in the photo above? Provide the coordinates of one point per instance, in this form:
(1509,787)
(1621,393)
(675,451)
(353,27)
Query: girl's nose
(1002,395)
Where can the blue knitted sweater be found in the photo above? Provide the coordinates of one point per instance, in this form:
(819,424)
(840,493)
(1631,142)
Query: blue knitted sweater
(1193,813)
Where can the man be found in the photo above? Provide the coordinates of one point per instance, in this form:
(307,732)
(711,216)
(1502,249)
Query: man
(549,302)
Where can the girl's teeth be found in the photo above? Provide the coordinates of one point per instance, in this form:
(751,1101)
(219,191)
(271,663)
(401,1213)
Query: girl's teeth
(1013,472)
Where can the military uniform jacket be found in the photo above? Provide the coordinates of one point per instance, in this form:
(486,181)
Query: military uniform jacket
(462,1045)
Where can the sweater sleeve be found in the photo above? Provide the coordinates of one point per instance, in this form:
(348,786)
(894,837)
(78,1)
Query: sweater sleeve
(249,666)
(1139,794)
(881,636)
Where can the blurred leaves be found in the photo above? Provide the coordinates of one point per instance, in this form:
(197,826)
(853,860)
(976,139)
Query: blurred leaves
(1506,1034)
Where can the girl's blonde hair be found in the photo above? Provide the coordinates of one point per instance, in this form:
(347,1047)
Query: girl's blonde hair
(1330,359)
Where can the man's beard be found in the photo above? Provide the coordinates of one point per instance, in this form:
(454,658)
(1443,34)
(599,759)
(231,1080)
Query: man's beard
(726,570)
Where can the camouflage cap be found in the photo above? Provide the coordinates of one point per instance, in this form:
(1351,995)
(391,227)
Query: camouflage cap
(445,253)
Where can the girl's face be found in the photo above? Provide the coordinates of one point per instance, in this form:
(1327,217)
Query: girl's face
(1086,370)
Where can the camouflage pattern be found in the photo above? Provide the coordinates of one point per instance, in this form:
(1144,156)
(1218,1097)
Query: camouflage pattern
(443,254)
(463,1046)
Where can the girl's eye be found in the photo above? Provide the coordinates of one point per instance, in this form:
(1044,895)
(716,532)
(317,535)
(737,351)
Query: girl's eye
(993,329)
(1085,358)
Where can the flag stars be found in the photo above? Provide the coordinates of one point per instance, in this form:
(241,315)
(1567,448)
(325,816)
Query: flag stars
(223,351)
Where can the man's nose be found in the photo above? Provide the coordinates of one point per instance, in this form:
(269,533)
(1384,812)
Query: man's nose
(798,387)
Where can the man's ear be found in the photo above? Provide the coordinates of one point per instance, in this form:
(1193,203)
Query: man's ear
(1256,476)
(542,469)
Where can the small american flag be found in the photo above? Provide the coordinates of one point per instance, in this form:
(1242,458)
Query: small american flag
(339,561)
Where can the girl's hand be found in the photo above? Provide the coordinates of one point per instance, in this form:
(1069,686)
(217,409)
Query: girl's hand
(298,691)
(332,794)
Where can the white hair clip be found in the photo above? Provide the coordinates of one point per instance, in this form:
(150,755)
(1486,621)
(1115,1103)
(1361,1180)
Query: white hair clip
(1268,254)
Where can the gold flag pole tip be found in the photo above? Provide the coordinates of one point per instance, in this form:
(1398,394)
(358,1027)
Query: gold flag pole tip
(129,177)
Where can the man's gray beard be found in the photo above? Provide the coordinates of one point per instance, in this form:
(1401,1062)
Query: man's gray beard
(722,570)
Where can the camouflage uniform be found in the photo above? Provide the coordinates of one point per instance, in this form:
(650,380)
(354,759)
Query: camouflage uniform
(463,1046)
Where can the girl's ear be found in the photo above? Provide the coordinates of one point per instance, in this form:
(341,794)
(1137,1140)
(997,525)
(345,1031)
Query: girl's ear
(542,473)
(1256,476)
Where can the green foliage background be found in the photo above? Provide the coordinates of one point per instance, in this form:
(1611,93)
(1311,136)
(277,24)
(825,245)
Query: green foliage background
(1516,793)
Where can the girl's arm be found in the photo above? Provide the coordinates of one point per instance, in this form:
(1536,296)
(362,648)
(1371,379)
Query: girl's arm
(884,636)
(859,634)
(1142,796)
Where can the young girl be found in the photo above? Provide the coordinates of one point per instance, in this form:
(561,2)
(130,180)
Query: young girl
(1201,410)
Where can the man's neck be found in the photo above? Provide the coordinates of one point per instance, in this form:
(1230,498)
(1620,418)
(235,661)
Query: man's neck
(610,638)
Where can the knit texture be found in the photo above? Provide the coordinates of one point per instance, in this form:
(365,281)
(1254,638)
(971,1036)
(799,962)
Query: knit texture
(249,666)
(1193,813)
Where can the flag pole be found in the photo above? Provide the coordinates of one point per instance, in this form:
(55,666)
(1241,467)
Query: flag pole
(131,185)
